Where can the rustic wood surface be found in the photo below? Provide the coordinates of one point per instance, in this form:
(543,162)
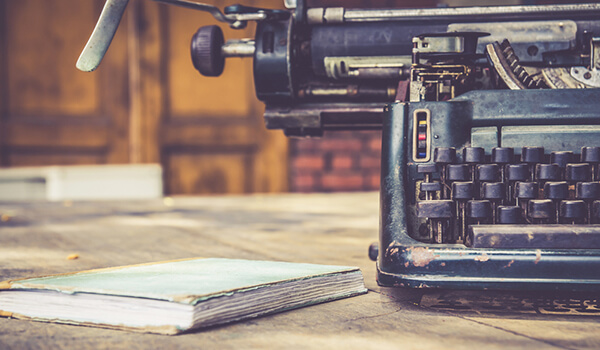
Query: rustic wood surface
(37,238)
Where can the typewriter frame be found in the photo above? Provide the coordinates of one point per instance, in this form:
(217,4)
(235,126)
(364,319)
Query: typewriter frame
(404,261)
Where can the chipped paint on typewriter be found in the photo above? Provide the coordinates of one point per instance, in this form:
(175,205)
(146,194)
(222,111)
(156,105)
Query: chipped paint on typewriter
(490,119)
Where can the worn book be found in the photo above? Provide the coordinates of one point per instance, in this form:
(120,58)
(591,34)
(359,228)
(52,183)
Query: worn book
(176,296)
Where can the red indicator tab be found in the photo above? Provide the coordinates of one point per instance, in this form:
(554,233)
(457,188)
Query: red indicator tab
(422,137)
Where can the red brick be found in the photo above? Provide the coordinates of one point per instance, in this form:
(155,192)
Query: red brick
(342,182)
(304,145)
(374,144)
(313,162)
(372,182)
(304,181)
(351,145)
(341,162)
(369,162)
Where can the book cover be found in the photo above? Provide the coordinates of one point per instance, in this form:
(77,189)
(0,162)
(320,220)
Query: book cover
(175,296)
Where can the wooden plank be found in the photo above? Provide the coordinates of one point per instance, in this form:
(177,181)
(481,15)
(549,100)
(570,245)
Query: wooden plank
(45,39)
(207,173)
(3,79)
(55,134)
(318,228)
(193,134)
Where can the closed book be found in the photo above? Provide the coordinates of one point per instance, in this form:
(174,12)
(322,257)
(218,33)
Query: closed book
(176,296)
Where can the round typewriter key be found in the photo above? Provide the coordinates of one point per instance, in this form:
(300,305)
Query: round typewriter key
(547,172)
(577,172)
(532,154)
(444,155)
(556,190)
(458,172)
(488,172)
(573,211)
(492,190)
(461,193)
(541,210)
(517,172)
(462,190)
(509,215)
(502,155)
(590,154)
(526,190)
(479,210)
(596,212)
(561,158)
(587,190)
(473,155)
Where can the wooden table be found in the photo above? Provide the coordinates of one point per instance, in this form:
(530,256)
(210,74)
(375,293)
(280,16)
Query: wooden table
(37,238)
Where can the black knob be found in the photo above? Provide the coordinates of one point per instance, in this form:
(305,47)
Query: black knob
(526,190)
(517,172)
(590,154)
(479,209)
(493,190)
(488,172)
(502,155)
(458,172)
(462,190)
(573,209)
(206,51)
(561,158)
(509,215)
(541,209)
(473,155)
(587,190)
(547,172)
(577,172)
(532,154)
(556,190)
(444,155)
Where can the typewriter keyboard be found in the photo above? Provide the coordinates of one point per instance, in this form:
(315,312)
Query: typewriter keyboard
(533,200)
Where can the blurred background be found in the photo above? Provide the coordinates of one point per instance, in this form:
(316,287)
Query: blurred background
(146,104)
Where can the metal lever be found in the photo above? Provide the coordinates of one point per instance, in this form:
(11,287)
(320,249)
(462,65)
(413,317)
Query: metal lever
(236,16)
(101,37)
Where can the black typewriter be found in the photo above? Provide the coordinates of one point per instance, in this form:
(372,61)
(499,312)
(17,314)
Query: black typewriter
(490,119)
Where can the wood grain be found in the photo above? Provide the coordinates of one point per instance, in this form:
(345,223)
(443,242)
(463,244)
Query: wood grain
(316,228)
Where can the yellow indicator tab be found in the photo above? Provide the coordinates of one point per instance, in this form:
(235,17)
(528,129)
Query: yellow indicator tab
(422,122)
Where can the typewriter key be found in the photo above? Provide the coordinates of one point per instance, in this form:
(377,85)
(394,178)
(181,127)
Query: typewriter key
(556,191)
(461,193)
(509,215)
(427,170)
(525,191)
(479,211)
(438,214)
(531,156)
(596,212)
(430,189)
(514,173)
(458,172)
(561,158)
(572,212)
(502,156)
(488,172)
(577,172)
(444,156)
(473,156)
(591,155)
(588,192)
(547,172)
(541,211)
(494,192)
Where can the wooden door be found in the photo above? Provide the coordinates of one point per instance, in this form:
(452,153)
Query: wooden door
(145,103)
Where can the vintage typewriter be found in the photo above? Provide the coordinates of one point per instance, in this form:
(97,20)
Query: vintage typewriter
(490,119)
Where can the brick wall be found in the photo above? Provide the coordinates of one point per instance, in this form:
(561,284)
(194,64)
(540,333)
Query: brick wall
(339,161)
